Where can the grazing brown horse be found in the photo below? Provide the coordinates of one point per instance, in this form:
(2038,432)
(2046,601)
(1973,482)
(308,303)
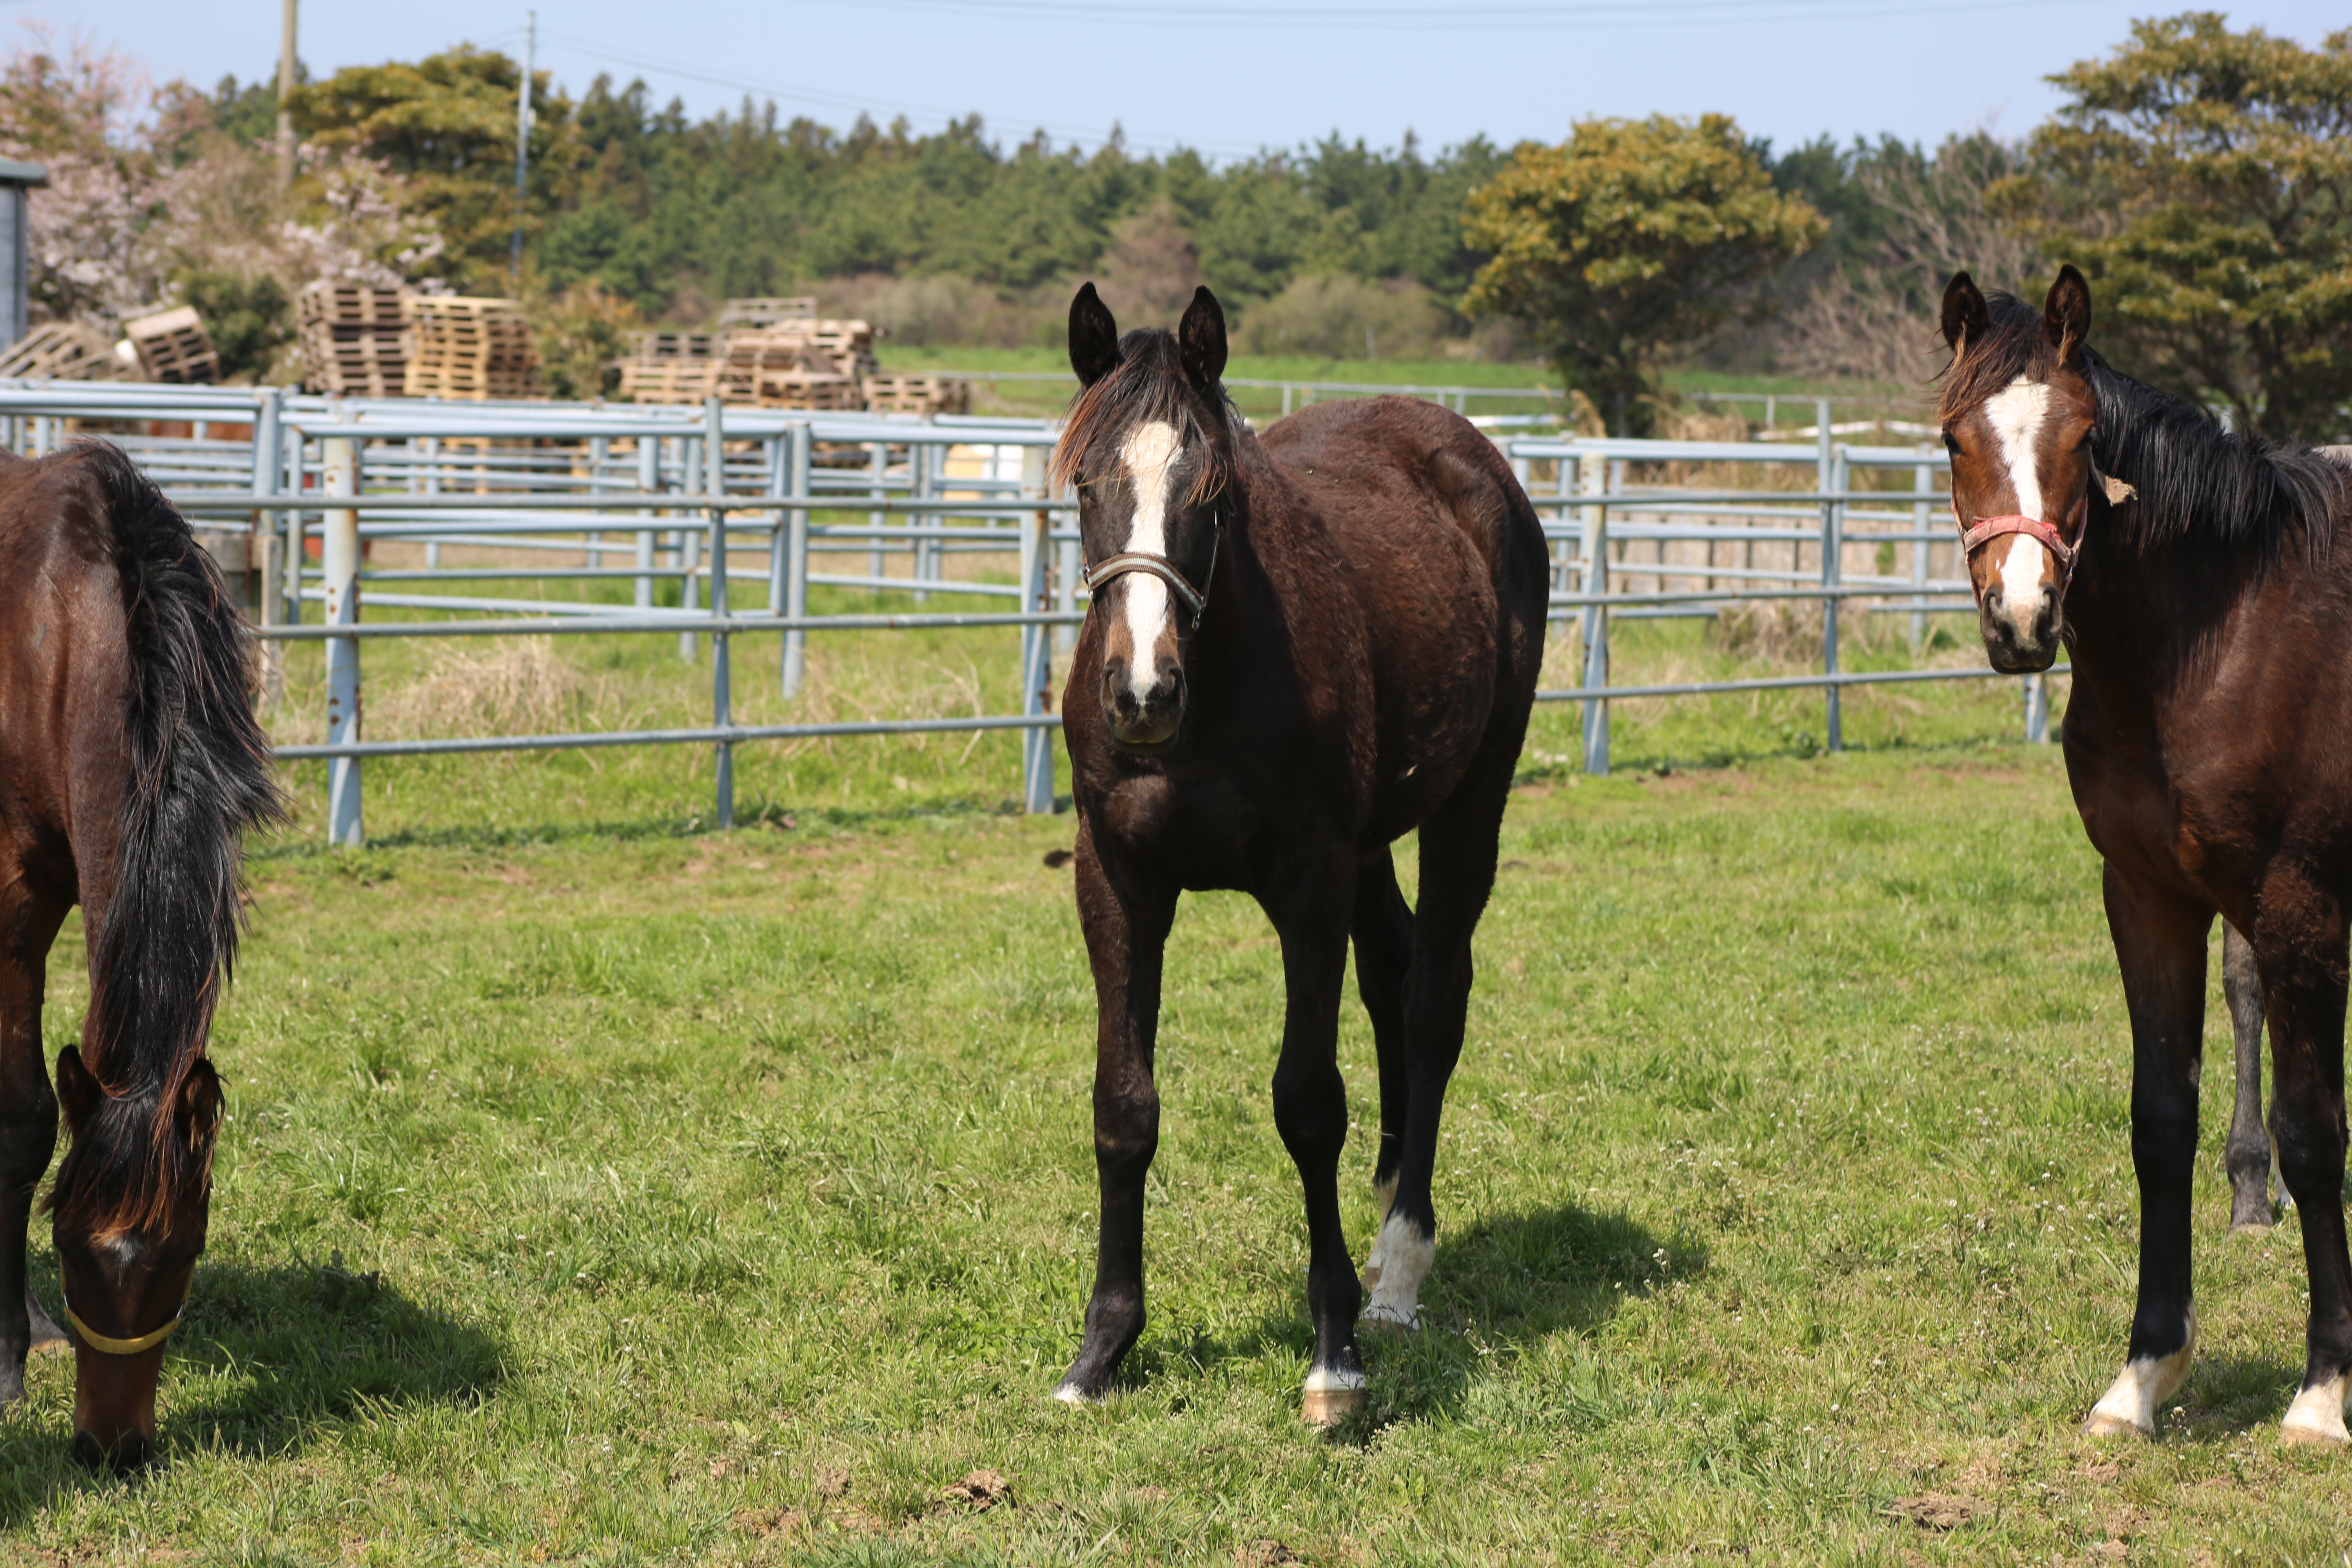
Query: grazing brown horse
(2202,584)
(130,762)
(1299,650)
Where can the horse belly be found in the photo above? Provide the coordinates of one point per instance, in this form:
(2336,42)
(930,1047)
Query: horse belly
(1433,683)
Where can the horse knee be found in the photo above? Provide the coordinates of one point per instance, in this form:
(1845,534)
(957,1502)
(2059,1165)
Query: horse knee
(1311,1111)
(28,1136)
(1126,1128)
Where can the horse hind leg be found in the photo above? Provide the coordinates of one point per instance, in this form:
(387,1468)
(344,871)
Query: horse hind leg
(2248,1157)
(1383,928)
(1458,847)
(28,1116)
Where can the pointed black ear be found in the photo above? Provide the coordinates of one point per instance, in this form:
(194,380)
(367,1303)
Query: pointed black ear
(199,1111)
(1094,337)
(1965,316)
(76,1090)
(1200,340)
(2066,313)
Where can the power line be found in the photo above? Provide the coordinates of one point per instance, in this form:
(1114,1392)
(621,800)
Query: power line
(1422,18)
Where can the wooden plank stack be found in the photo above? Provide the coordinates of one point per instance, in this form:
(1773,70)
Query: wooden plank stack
(472,348)
(354,340)
(886,394)
(173,346)
(61,351)
(813,390)
(674,381)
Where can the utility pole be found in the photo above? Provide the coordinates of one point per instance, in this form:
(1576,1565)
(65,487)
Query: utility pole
(522,137)
(285,95)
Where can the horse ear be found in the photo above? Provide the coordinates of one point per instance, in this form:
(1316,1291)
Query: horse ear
(1200,340)
(1965,315)
(76,1090)
(2067,314)
(1094,337)
(198,1111)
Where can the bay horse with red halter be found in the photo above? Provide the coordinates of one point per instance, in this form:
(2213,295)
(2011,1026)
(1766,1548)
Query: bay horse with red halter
(130,762)
(1299,648)
(2201,582)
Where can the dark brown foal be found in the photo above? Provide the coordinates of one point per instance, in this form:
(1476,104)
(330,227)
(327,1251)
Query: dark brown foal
(2202,582)
(1299,650)
(129,764)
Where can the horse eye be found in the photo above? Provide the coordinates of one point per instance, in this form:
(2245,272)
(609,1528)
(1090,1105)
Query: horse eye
(1951,445)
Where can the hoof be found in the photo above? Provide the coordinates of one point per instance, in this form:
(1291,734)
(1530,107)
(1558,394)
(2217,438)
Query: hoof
(2316,1417)
(47,1338)
(2102,1425)
(1329,1406)
(2250,1226)
(1379,1316)
(1071,1394)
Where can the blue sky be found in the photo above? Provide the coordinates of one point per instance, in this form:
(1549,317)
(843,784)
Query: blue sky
(1228,75)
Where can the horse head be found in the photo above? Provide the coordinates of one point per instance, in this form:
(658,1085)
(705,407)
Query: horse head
(1149,446)
(2019,417)
(129,1214)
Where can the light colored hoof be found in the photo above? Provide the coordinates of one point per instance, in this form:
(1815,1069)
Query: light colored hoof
(2103,1424)
(2316,1417)
(2250,1228)
(1329,1406)
(1071,1394)
(1391,1318)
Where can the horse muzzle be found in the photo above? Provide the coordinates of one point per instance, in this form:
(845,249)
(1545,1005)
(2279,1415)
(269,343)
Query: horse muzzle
(1144,714)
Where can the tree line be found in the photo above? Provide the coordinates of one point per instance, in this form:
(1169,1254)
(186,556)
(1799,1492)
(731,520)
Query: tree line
(2198,174)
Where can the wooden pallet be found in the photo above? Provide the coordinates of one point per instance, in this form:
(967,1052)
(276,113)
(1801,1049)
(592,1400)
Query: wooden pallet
(671,381)
(758,313)
(173,346)
(816,391)
(354,340)
(61,351)
(916,393)
(680,345)
(467,347)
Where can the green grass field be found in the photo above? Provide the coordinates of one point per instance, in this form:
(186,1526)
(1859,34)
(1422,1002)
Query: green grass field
(601,1189)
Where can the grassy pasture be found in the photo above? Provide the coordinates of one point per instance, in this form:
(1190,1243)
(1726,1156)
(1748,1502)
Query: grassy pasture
(601,1189)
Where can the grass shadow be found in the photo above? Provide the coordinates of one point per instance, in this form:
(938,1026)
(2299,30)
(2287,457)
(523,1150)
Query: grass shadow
(2225,1395)
(278,1355)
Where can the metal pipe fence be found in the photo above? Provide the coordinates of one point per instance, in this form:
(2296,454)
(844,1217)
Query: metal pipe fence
(684,501)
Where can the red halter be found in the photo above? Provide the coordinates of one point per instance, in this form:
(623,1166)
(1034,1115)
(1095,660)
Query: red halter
(1991,528)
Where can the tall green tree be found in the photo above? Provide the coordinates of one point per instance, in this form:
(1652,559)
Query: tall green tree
(2202,180)
(1630,238)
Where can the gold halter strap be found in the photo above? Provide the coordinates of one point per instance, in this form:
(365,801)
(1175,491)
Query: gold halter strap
(108,1345)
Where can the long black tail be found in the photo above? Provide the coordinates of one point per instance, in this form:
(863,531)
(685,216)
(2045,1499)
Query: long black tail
(198,775)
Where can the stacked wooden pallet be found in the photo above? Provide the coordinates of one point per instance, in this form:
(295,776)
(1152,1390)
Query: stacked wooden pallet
(813,390)
(887,394)
(61,351)
(654,346)
(848,344)
(677,381)
(466,347)
(354,340)
(173,346)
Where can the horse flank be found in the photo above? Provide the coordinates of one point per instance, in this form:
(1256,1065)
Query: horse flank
(199,775)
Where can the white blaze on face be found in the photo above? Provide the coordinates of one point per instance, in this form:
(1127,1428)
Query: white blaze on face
(1149,454)
(2016,413)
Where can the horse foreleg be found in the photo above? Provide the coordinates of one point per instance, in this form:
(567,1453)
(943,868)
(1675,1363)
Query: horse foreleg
(1311,1111)
(1383,933)
(2159,942)
(29,1118)
(2300,943)
(1126,921)
(2248,1157)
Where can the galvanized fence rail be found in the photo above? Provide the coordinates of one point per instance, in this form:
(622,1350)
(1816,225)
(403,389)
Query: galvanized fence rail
(701,497)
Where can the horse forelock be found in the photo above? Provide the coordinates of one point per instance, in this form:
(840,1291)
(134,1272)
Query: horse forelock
(2013,347)
(1148,386)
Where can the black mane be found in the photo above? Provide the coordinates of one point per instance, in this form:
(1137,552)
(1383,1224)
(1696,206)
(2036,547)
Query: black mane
(1149,383)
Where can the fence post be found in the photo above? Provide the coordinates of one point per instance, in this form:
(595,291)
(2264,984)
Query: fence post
(1833,475)
(796,556)
(780,470)
(920,470)
(690,542)
(265,559)
(878,467)
(714,464)
(289,464)
(339,563)
(650,481)
(1922,482)
(1592,476)
(2037,710)
(1036,642)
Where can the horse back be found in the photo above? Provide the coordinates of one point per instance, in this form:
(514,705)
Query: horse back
(1444,559)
